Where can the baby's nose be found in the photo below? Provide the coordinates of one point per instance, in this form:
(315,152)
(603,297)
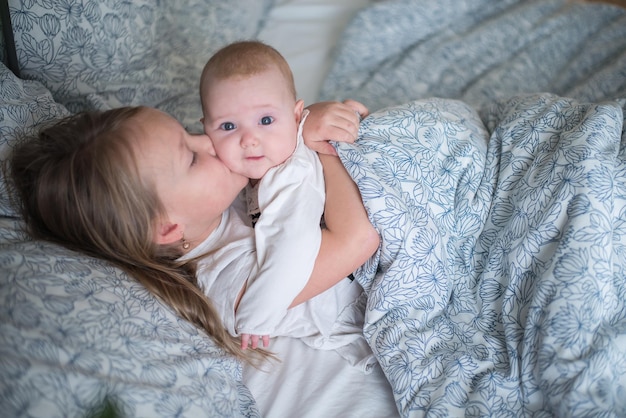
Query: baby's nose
(248,139)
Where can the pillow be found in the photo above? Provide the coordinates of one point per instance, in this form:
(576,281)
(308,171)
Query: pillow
(24,107)
(76,332)
(108,54)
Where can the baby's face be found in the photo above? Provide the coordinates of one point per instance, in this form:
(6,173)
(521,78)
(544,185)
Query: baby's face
(252,121)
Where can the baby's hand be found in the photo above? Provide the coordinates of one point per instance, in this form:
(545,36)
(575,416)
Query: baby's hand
(247,339)
(332,121)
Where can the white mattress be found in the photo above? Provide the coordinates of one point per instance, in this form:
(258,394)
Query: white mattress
(308,382)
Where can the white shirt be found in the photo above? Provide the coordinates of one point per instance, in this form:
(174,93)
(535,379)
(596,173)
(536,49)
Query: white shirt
(333,320)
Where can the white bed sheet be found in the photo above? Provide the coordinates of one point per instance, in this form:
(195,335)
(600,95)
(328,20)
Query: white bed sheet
(308,382)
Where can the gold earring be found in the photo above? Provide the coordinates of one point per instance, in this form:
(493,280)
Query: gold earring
(184,243)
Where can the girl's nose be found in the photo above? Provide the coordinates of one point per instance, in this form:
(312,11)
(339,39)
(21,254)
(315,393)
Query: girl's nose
(209,146)
(202,143)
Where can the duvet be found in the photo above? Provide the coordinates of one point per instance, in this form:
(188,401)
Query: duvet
(499,286)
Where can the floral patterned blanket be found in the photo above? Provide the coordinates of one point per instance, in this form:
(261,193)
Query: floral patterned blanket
(499,286)
(498,289)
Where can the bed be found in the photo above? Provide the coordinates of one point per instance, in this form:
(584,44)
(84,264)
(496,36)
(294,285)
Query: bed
(492,165)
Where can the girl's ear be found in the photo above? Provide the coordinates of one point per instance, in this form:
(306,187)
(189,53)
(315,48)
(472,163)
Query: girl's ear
(298,110)
(167,233)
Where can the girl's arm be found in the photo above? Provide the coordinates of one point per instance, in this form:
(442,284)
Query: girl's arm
(349,238)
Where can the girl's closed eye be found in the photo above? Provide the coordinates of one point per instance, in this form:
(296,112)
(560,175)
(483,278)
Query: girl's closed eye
(267,120)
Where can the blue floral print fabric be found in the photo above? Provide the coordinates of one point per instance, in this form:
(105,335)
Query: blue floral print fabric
(76,333)
(499,286)
(99,54)
(25,106)
(498,289)
(479,50)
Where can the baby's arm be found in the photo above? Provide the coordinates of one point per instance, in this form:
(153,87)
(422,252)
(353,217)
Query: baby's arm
(349,238)
(288,237)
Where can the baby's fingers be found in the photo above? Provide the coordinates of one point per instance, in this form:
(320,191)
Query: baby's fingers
(358,107)
(245,340)
(253,341)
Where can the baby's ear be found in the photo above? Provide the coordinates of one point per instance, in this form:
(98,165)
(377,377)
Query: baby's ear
(167,233)
(298,110)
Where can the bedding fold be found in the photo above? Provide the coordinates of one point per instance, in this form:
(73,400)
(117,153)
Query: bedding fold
(476,50)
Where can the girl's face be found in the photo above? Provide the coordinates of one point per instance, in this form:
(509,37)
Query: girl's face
(194,186)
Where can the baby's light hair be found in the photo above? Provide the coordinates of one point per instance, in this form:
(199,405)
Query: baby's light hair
(244,59)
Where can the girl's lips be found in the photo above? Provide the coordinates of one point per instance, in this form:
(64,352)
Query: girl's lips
(254,158)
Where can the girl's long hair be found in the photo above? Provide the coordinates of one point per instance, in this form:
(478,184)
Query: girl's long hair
(77,184)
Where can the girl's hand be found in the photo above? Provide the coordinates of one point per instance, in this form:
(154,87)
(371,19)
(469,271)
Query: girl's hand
(332,121)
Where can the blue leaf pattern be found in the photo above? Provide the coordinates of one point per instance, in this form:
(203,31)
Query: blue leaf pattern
(102,54)
(24,106)
(500,286)
(74,331)
(447,48)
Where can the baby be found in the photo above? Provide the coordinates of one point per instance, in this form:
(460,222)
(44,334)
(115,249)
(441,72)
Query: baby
(251,114)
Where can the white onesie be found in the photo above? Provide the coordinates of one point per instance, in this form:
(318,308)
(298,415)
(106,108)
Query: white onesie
(288,236)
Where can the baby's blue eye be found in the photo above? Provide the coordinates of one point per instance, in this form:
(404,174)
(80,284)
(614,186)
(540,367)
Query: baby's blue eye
(267,120)
(227,126)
